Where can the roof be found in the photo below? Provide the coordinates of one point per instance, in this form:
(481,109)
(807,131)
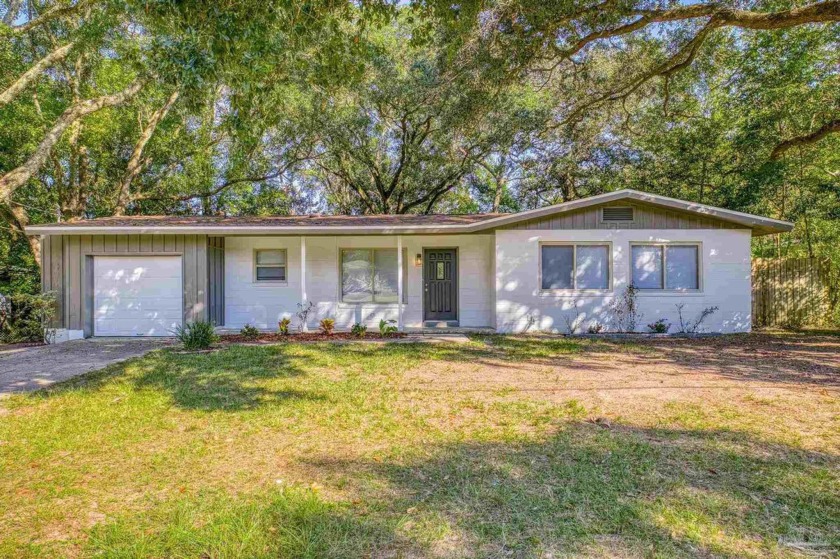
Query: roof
(387,224)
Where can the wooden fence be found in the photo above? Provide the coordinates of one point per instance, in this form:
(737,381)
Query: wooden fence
(792,292)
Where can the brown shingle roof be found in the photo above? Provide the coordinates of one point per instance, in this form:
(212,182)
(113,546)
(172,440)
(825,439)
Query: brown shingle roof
(280,221)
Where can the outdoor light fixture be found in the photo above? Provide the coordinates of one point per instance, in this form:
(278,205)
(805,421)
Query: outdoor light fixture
(418,260)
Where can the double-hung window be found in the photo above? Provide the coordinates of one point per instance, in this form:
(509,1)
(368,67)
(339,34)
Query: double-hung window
(270,265)
(574,266)
(369,275)
(674,267)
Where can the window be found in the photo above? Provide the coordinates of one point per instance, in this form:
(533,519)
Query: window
(617,213)
(270,265)
(582,266)
(662,266)
(370,275)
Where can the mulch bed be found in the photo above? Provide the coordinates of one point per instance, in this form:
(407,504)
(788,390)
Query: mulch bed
(20,344)
(273,338)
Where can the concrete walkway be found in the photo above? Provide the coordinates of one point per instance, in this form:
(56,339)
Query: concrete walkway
(23,369)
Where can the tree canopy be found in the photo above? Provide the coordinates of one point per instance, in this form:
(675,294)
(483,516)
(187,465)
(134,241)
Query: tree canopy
(243,107)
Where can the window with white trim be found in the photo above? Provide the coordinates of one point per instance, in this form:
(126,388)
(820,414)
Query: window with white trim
(574,266)
(674,267)
(369,275)
(270,265)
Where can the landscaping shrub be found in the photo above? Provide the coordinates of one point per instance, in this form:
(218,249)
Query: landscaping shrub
(692,326)
(250,332)
(387,328)
(283,326)
(200,334)
(595,328)
(625,309)
(27,318)
(359,330)
(303,314)
(661,326)
(327,325)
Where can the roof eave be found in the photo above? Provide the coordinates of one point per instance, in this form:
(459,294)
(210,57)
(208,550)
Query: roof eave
(242,230)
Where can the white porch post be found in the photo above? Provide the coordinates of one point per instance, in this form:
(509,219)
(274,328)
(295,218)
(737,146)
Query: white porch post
(303,298)
(400,281)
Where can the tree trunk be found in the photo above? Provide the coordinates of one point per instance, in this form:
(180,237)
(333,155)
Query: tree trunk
(32,74)
(135,162)
(16,178)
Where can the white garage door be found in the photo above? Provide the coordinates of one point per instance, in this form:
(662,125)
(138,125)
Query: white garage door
(137,295)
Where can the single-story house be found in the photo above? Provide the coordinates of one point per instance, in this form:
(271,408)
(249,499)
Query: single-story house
(537,270)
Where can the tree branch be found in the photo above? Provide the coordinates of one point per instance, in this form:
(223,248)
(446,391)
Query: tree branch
(55,12)
(15,178)
(829,127)
(135,162)
(30,75)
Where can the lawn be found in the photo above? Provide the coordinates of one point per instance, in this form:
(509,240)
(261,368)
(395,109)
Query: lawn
(502,447)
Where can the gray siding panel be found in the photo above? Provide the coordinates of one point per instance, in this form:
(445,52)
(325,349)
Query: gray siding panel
(646,217)
(67,269)
(216,280)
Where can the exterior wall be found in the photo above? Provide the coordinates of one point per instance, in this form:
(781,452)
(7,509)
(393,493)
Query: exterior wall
(646,216)
(724,268)
(67,269)
(216,280)
(264,304)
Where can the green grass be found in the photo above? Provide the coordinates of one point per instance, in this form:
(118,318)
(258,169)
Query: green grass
(360,450)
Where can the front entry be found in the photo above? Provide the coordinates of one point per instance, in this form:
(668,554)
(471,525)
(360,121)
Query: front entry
(440,284)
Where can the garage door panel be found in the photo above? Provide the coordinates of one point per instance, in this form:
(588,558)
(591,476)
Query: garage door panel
(137,295)
(129,303)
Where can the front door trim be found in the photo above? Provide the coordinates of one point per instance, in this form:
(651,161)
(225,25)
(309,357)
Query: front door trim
(455,300)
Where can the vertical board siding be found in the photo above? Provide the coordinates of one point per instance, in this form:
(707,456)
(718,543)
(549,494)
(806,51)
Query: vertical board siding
(67,270)
(645,217)
(791,292)
(52,274)
(216,280)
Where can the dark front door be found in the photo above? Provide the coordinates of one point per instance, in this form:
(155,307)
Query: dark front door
(440,284)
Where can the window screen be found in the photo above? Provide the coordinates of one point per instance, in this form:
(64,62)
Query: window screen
(575,267)
(681,267)
(270,265)
(666,266)
(647,266)
(370,275)
(592,267)
(557,267)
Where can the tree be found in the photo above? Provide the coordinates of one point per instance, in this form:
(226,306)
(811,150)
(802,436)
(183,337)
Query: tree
(409,133)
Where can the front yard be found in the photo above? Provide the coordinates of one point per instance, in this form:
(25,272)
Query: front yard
(503,447)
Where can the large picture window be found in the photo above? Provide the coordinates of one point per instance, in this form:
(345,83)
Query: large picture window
(580,266)
(270,265)
(664,266)
(370,275)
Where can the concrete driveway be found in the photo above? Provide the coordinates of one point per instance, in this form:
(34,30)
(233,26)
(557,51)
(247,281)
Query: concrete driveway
(23,369)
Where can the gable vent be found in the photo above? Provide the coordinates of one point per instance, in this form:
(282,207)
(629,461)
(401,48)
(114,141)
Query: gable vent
(617,214)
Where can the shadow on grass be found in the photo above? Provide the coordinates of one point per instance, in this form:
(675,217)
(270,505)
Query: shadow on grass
(239,377)
(619,491)
(585,491)
(232,379)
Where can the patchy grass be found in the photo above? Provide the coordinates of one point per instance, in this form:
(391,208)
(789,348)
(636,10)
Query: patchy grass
(503,447)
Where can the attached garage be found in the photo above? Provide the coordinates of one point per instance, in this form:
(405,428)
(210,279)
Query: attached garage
(137,295)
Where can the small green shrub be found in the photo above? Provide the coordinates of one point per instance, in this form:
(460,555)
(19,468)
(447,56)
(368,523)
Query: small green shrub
(359,330)
(661,326)
(283,326)
(327,325)
(595,328)
(387,328)
(27,318)
(200,334)
(250,332)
